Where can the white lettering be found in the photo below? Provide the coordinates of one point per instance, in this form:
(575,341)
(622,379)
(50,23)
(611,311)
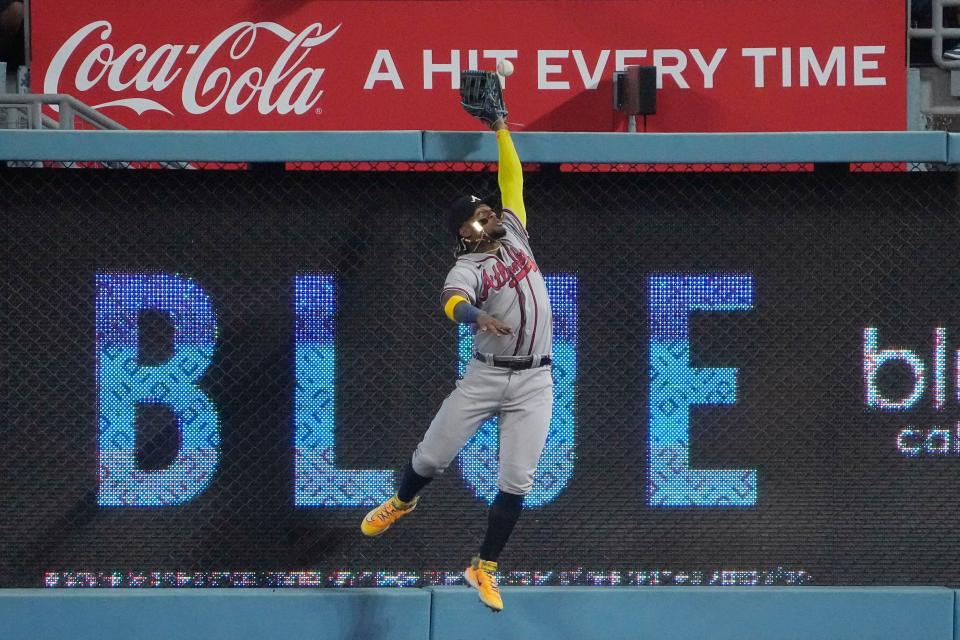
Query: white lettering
(280,70)
(591,80)
(758,54)
(708,69)
(189,94)
(251,79)
(51,81)
(430,68)
(169,54)
(83,80)
(622,55)
(544,68)
(786,67)
(383,60)
(138,52)
(203,88)
(860,65)
(808,61)
(674,70)
(302,101)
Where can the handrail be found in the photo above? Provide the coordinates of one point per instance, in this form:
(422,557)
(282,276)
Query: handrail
(936,32)
(68,106)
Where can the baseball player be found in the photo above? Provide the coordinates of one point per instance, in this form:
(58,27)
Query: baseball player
(496,286)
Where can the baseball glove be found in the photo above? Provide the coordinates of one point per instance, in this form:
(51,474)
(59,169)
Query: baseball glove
(481,97)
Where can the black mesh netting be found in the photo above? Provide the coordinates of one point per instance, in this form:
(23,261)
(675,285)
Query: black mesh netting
(838,501)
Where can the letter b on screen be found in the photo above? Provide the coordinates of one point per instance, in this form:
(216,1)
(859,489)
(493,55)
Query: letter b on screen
(123,383)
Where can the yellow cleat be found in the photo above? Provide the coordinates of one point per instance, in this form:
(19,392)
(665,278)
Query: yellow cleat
(380,519)
(482,576)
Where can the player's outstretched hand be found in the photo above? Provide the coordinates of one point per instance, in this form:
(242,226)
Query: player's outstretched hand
(486,322)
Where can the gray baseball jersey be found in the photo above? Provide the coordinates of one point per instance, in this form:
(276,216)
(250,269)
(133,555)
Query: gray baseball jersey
(510,287)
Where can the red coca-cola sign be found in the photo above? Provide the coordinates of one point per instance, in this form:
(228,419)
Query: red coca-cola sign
(739,65)
(222,75)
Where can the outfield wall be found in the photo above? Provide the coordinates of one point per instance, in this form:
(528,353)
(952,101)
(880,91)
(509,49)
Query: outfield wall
(451,613)
(819,280)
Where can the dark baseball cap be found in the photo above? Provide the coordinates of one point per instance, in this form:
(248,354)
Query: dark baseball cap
(462,208)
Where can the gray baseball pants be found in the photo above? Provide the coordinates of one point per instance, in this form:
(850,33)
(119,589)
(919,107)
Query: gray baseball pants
(522,400)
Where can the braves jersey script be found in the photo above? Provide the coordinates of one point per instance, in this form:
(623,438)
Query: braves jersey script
(509,286)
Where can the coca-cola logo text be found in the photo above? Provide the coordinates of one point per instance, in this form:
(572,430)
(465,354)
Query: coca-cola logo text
(283,88)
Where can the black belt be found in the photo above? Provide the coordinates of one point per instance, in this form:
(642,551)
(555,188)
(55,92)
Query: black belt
(523,362)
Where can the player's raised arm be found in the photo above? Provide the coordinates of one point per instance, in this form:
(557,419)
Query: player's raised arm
(509,172)
(482,97)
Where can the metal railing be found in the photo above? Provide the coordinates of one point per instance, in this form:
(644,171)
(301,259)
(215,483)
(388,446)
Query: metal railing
(936,32)
(937,92)
(28,107)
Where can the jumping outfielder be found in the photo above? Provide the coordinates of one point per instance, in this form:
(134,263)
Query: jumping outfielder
(497,286)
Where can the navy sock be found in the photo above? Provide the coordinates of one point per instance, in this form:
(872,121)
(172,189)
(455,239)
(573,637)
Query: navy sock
(504,513)
(410,484)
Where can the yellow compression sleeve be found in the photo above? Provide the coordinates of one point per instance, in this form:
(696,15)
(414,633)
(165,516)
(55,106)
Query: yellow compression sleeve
(452,304)
(510,176)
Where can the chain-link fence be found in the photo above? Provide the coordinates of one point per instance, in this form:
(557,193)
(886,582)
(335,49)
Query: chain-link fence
(843,495)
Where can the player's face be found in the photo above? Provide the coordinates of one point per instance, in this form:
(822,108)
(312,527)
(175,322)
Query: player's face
(489,221)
